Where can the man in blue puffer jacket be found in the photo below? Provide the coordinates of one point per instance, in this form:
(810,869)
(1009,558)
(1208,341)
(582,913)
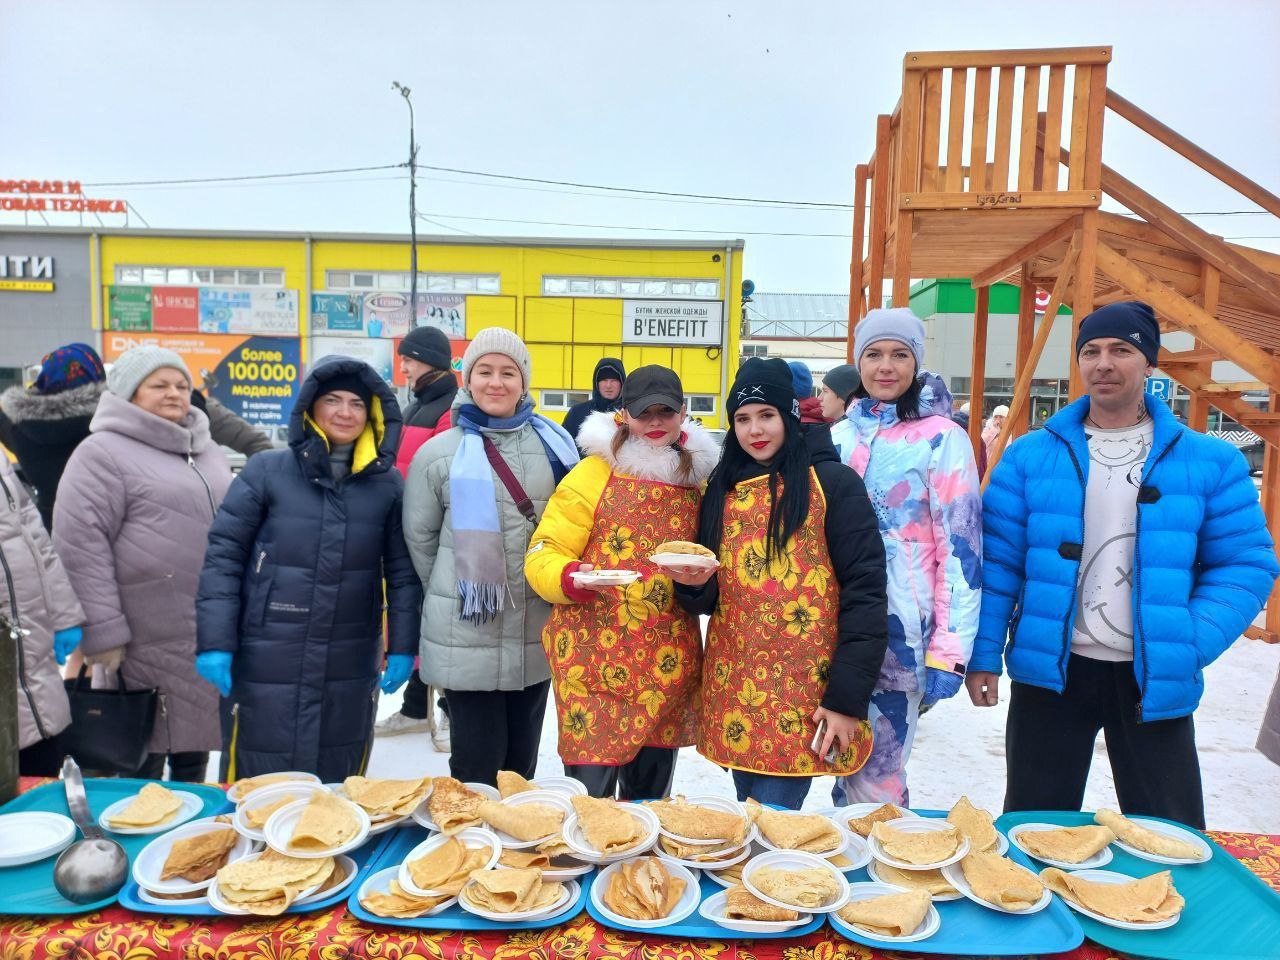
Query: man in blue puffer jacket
(1124,553)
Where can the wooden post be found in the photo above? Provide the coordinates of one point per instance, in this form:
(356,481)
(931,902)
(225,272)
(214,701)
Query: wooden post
(1271,508)
(855,263)
(1026,334)
(908,182)
(1198,408)
(1082,291)
(978,369)
(877,240)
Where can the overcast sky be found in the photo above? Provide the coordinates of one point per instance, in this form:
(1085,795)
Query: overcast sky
(745,99)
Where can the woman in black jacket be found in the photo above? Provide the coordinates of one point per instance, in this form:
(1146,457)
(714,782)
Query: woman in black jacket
(290,606)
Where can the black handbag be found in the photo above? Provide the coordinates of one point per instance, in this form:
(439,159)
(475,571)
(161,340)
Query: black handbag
(110,729)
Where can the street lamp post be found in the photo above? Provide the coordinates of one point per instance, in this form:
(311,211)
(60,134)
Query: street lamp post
(413,210)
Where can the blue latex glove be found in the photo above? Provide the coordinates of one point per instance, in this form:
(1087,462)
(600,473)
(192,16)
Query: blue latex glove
(399,668)
(215,666)
(940,685)
(65,641)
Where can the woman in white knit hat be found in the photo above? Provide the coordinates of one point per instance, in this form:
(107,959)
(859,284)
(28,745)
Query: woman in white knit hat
(473,496)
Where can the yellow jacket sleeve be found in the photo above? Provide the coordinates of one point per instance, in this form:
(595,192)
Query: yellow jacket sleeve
(565,528)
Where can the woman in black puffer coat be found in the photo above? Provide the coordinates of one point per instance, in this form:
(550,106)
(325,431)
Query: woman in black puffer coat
(290,607)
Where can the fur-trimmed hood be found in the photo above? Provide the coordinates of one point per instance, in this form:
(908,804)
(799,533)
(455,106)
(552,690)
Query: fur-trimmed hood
(645,462)
(19,403)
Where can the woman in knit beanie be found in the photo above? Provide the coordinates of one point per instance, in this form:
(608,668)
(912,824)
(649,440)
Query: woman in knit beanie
(473,496)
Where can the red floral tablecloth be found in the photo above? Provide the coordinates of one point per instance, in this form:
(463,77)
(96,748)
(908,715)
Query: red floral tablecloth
(117,934)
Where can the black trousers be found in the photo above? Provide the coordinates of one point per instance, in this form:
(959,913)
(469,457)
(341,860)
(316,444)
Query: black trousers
(1050,737)
(647,776)
(183,767)
(492,730)
(416,697)
(42,759)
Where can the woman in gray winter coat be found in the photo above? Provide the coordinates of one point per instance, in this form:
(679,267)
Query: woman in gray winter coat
(467,535)
(37,600)
(130,524)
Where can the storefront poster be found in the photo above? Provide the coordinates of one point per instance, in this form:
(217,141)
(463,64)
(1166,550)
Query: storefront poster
(257,378)
(378,354)
(457,349)
(262,312)
(175,309)
(445,311)
(129,308)
(337,313)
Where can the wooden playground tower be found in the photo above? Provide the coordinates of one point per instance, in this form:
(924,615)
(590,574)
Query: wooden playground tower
(985,184)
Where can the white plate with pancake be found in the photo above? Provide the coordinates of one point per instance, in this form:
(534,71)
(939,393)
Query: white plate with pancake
(149,863)
(729,859)
(345,864)
(568,896)
(845,838)
(1099,859)
(191,805)
(841,816)
(281,825)
(1169,830)
(547,797)
(236,792)
(955,876)
(604,578)
(422,816)
(873,871)
(565,786)
(473,838)
(380,882)
(576,840)
(796,860)
(298,789)
(684,560)
(222,905)
(930,925)
(714,906)
(720,805)
(918,825)
(1110,876)
(687,903)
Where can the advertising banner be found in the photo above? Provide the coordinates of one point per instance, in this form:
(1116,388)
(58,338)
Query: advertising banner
(445,311)
(378,354)
(257,378)
(673,323)
(175,309)
(337,313)
(129,308)
(385,313)
(224,310)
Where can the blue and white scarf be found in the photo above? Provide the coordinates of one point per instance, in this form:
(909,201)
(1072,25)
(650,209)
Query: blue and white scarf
(480,562)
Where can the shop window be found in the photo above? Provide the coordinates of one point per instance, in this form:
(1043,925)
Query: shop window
(701,405)
(393,281)
(606,287)
(681,288)
(656,287)
(128,274)
(179,275)
(762,350)
(580,286)
(485,283)
(630,288)
(251,278)
(154,275)
(224,277)
(273,278)
(562,399)
(362,280)
(185,276)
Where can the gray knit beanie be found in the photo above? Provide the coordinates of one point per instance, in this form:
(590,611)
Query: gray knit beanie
(897,323)
(135,365)
(497,340)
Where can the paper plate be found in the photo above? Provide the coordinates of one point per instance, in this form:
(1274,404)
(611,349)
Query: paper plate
(557,800)
(955,876)
(845,836)
(577,841)
(555,873)
(568,895)
(1099,859)
(930,925)
(567,786)
(281,824)
(473,838)
(339,863)
(795,860)
(34,835)
(235,794)
(383,819)
(918,825)
(298,789)
(191,805)
(874,873)
(1110,876)
(687,903)
(720,804)
(380,882)
(842,815)
(731,858)
(187,900)
(1169,830)
(714,906)
(684,560)
(149,863)
(725,881)
(610,578)
(422,816)
(225,906)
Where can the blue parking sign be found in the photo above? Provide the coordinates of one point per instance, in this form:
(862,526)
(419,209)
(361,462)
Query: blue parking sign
(1161,388)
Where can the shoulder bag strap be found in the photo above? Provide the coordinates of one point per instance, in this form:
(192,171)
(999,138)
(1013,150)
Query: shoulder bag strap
(523,503)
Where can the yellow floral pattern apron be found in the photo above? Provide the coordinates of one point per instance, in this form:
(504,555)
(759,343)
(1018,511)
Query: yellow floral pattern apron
(770,642)
(627,665)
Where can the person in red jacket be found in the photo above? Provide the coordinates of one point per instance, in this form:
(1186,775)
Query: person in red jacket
(425,359)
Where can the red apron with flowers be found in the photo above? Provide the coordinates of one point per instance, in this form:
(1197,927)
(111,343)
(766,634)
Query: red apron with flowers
(627,665)
(770,642)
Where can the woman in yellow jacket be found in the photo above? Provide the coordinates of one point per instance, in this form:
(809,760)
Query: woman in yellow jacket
(626,660)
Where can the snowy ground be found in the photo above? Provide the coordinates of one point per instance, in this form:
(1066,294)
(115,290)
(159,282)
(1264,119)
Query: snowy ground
(960,749)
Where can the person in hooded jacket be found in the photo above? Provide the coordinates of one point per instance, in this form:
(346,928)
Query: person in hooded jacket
(920,474)
(44,423)
(812,414)
(606,395)
(290,607)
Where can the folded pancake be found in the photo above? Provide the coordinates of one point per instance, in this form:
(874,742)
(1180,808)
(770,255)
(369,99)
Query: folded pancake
(741,904)
(525,821)
(732,874)
(510,783)
(807,888)
(1066,844)
(268,884)
(932,846)
(510,891)
(196,859)
(809,832)
(862,825)
(892,915)
(1150,841)
(524,860)
(396,903)
(607,826)
(446,869)
(976,824)
(336,877)
(326,822)
(246,786)
(684,546)
(258,816)
(931,882)
(999,880)
(453,806)
(555,847)
(1145,900)
(701,852)
(386,798)
(152,806)
(643,889)
(684,819)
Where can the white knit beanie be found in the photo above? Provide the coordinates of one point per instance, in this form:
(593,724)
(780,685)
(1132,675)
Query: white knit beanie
(897,323)
(497,340)
(136,364)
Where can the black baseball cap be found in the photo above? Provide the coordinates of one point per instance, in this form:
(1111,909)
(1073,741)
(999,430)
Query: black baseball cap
(649,386)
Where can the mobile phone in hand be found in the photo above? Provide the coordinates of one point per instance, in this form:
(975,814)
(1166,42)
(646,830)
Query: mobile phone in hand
(817,743)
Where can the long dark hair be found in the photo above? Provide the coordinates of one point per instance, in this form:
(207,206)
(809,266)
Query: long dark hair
(909,403)
(786,513)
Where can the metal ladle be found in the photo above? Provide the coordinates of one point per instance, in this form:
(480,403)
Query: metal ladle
(94,868)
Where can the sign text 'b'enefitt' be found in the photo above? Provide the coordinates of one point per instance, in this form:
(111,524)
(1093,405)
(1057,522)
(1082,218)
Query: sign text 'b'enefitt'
(676,323)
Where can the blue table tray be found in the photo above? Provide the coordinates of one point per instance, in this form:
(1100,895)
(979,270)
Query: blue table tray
(363,856)
(28,889)
(1229,912)
(968,929)
(400,842)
